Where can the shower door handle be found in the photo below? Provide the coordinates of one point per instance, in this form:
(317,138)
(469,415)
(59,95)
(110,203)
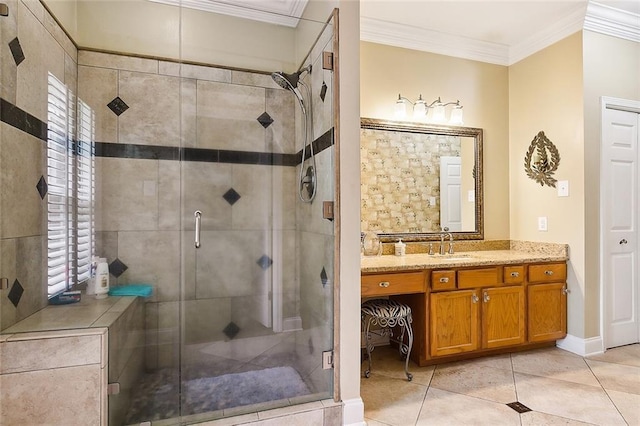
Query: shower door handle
(198,215)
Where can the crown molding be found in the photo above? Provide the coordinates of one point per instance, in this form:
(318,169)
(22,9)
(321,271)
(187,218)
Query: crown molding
(547,36)
(614,22)
(589,16)
(393,34)
(283,12)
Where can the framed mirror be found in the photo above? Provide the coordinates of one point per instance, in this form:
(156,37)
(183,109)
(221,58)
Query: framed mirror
(417,179)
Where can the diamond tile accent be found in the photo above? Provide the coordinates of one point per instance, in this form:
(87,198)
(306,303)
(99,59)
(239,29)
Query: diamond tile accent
(265,119)
(118,106)
(519,407)
(117,268)
(231,330)
(42,187)
(15,294)
(231,196)
(265,261)
(323,91)
(323,277)
(16,51)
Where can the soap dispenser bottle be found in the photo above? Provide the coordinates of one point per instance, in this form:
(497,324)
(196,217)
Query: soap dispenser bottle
(400,248)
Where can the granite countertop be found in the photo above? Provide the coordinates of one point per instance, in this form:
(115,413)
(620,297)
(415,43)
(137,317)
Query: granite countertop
(413,262)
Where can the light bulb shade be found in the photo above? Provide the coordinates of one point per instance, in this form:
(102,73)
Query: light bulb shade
(456,117)
(401,109)
(420,110)
(438,114)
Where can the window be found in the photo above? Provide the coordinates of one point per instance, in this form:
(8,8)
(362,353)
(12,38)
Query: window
(71,189)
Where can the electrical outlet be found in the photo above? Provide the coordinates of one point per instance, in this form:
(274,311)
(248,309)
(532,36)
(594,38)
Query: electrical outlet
(542,223)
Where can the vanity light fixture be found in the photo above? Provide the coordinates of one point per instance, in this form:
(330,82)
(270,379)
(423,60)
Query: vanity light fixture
(421,111)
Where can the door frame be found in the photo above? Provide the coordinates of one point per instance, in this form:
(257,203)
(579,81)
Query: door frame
(607,102)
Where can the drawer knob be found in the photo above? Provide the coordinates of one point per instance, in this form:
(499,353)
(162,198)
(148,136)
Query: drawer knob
(548,273)
(515,274)
(384,284)
(444,280)
(486,297)
(474,298)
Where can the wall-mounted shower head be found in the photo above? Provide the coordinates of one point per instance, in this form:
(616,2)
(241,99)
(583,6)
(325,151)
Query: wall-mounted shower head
(289,81)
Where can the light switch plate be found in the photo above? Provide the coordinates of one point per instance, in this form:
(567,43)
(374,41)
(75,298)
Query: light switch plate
(563,188)
(471,196)
(542,223)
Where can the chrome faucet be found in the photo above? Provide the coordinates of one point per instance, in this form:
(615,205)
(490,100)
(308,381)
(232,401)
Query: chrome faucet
(443,234)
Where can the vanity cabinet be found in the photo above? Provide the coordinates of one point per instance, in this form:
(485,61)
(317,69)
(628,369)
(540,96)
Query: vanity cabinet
(453,322)
(547,302)
(503,317)
(392,284)
(464,312)
(482,317)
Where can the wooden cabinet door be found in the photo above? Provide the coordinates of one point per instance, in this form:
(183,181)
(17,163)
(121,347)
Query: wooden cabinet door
(547,311)
(453,322)
(503,316)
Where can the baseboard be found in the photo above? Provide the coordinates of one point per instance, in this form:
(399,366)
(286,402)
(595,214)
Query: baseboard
(580,346)
(291,324)
(353,412)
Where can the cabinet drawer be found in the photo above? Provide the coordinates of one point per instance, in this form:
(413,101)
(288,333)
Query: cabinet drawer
(514,274)
(443,280)
(548,272)
(481,277)
(387,284)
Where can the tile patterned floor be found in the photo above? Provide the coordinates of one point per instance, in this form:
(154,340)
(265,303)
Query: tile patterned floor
(559,387)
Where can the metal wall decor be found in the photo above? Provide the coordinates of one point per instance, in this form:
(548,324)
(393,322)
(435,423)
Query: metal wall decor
(542,160)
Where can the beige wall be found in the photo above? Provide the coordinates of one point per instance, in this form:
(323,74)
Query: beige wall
(545,94)
(482,89)
(142,27)
(66,12)
(611,68)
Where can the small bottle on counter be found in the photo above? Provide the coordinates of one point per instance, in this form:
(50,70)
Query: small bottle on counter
(102,279)
(401,248)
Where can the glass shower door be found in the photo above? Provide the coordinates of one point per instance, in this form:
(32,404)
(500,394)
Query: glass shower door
(257,262)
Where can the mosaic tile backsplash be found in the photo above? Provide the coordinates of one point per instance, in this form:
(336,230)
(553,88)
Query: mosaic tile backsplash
(400,177)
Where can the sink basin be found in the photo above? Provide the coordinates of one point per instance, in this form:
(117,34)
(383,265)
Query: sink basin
(456,256)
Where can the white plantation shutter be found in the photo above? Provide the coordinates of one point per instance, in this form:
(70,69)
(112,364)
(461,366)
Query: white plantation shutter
(85,190)
(70,180)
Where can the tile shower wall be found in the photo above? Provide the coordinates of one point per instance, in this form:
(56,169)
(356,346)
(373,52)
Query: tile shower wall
(400,177)
(31,45)
(248,210)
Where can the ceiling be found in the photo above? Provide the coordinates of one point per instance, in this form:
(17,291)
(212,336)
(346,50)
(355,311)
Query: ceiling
(493,31)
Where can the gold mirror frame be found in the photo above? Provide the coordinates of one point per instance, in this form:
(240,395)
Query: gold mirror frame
(430,129)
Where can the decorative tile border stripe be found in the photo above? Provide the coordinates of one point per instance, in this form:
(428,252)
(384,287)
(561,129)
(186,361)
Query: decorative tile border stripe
(143,152)
(22,120)
(320,144)
(16,117)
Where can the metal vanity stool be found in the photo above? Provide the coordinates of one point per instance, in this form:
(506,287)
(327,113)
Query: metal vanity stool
(387,314)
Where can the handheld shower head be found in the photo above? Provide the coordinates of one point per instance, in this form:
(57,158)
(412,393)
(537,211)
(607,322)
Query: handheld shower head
(289,81)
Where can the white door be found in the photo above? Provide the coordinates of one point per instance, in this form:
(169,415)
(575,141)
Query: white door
(619,201)
(451,193)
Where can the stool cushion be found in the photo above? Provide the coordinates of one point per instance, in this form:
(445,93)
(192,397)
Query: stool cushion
(384,308)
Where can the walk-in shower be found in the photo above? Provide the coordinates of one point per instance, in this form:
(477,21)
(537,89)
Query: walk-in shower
(307,180)
(181,122)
